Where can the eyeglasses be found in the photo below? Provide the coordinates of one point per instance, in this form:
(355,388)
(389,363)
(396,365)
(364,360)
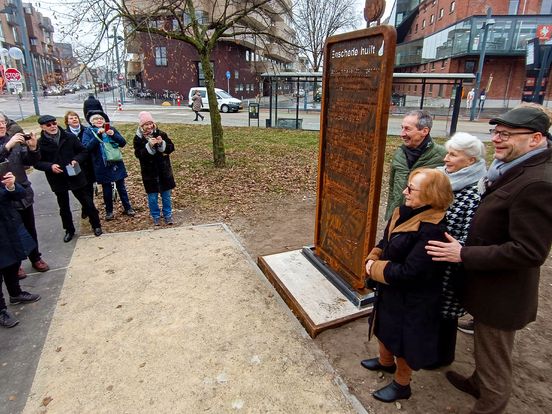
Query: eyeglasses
(505,135)
(409,189)
(49,124)
(3,123)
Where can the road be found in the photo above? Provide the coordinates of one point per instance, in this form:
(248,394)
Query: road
(17,109)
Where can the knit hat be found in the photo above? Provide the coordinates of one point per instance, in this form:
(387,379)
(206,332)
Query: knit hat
(144,117)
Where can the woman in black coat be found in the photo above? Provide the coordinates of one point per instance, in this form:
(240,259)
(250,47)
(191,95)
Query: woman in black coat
(153,147)
(15,244)
(408,283)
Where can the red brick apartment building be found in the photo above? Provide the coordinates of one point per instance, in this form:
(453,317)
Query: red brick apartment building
(445,36)
(158,63)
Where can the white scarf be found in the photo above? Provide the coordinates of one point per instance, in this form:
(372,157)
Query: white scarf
(467,175)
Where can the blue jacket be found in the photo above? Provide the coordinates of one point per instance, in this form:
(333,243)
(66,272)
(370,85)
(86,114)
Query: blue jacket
(106,172)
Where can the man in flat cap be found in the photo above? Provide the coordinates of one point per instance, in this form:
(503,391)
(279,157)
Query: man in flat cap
(61,153)
(508,241)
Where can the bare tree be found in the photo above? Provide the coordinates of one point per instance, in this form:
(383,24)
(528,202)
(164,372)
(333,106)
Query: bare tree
(199,23)
(315,21)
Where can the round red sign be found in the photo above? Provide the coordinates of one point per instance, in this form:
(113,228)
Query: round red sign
(12,75)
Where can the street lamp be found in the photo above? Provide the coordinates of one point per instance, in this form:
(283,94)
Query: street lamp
(486,26)
(116,41)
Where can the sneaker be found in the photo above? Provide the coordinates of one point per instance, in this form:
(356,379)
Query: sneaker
(41,266)
(21,273)
(24,297)
(109,216)
(466,326)
(7,320)
(156,222)
(169,220)
(130,212)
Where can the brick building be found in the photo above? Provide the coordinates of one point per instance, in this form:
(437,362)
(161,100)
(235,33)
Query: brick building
(445,36)
(158,63)
(40,32)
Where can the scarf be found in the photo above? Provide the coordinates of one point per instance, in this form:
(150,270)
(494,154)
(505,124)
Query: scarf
(75,131)
(55,137)
(499,168)
(466,176)
(412,154)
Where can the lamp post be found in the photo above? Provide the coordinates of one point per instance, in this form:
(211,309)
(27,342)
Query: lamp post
(486,26)
(116,40)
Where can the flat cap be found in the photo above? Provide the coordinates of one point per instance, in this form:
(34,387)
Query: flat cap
(44,119)
(524,117)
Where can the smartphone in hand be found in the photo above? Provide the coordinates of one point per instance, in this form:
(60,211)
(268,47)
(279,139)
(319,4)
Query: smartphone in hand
(4,168)
(107,126)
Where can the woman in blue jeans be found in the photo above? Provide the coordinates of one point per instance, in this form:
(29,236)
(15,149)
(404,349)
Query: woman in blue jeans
(152,147)
(107,172)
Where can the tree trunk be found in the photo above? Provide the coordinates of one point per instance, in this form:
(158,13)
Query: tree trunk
(219,156)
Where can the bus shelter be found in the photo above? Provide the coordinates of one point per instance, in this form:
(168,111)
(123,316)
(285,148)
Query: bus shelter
(294,96)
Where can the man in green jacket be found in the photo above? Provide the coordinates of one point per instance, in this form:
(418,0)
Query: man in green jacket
(418,150)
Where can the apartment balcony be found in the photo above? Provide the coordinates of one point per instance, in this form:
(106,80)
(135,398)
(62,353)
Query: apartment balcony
(135,64)
(282,30)
(249,41)
(278,52)
(11,20)
(262,66)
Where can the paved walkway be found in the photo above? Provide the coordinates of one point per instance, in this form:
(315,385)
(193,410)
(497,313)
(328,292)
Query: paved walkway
(172,320)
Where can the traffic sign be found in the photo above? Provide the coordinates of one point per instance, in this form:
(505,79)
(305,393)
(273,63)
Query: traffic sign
(12,75)
(228,74)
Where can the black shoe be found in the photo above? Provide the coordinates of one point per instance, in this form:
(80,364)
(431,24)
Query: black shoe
(462,383)
(7,320)
(68,236)
(24,297)
(374,365)
(130,212)
(109,216)
(98,231)
(393,392)
(466,326)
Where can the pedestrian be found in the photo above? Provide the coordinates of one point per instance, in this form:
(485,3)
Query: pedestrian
(15,243)
(482,97)
(21,151)
(106,171)
(61,154)
(73,125)
(408,283)
(469,98)
(508,241)
(465,168)
(153,148)
(197,105)
(418,150)
(91,104)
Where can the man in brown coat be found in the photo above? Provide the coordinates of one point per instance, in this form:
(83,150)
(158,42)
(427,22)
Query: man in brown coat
(508,241)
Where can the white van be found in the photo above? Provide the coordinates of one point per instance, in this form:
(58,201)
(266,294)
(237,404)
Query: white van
(226,102)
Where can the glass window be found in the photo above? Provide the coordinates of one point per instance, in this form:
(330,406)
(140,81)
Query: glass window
(441,12)
(432,19)
(546,7)
(513,6)
(175,27)
(236,74)
(2,34)
(161,56)
(423,24)
(452,6)
(247,55)
(201,74)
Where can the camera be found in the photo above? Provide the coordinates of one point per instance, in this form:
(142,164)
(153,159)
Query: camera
(27,136)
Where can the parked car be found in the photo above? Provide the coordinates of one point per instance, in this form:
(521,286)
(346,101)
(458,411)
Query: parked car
(104,87)
(300,93)
(317,97)
(226,102)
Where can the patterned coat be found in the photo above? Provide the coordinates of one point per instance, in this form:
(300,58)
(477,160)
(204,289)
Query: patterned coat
(459,216)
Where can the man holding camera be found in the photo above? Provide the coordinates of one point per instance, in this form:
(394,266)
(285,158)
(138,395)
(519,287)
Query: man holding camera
(21,151)
(60,154)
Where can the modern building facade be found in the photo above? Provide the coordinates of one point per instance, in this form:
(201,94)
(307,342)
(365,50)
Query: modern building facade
(159,63)
(446,36)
